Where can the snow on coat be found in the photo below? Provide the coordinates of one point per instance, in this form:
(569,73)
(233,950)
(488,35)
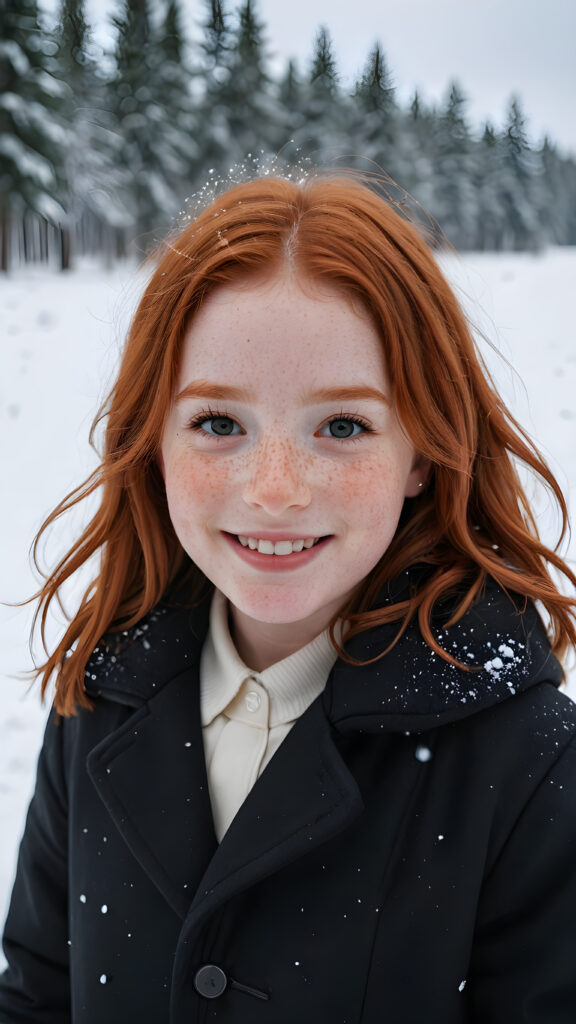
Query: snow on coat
(409,854)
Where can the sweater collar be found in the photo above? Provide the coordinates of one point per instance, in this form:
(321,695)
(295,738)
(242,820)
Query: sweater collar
(292,683)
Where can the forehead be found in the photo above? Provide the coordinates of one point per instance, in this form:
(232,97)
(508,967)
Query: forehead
(286,322)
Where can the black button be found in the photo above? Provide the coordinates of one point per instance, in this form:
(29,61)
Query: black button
(210,981)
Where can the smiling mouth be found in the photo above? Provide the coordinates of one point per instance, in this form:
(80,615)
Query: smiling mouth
(279,548)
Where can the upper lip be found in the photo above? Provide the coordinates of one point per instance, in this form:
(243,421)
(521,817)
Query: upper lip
(275,535)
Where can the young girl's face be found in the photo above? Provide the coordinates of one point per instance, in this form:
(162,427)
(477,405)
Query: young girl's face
(283,430)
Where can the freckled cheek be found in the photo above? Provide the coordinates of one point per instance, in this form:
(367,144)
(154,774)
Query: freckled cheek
(372,482)
(193,482)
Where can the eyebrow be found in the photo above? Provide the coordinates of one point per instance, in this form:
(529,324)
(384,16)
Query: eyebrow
(227,392)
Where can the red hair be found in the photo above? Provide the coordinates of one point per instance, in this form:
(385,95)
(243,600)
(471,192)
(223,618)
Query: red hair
(471,522)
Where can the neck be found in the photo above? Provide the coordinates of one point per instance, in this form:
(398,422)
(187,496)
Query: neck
(261,644)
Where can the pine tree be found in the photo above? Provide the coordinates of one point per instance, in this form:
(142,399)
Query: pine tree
(416,106)
(145,136)
(216,43)
(374,90)
(73,46)
(250,97)
(323,73)
(373,130)
(91,180)
(33,138)
(486,171)
(181,150)
(454,203)
(327,111)
(556,199)
(237,111)
(213,136)
(290,112)
(517,183)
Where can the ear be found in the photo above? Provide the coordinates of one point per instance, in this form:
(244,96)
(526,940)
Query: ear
(418,476)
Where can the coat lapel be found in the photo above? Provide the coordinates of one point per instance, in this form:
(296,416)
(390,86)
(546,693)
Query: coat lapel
(151,775)
(305,796)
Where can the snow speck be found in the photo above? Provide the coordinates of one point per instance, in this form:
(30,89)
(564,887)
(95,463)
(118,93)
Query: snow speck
(103,979)
(496,663)
(188,744)
(422,753)
(82,898)
(104,909)
(440,837)
(461,985)
(296,963)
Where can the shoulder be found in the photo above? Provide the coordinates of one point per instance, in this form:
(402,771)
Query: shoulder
(537,724)
(127,670)
(517,757)
(131,665)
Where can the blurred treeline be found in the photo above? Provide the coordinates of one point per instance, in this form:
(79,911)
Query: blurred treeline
(99,149)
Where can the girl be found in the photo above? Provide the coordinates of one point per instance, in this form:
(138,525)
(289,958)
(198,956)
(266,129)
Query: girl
(318,768)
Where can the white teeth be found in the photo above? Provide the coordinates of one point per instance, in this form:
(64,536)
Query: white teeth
(266,547)
(281,547)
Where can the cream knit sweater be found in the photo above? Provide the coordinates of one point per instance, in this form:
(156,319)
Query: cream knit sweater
(247,714)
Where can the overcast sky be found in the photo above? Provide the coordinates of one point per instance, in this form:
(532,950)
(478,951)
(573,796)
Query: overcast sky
(493,47)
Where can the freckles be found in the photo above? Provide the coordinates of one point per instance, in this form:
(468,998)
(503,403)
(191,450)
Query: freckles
(285,458)
(360,481)
(198,478)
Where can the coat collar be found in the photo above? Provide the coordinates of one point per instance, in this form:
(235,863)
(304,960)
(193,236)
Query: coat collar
(410,688)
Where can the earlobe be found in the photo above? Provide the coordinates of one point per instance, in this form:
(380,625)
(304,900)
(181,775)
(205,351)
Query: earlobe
(418,477)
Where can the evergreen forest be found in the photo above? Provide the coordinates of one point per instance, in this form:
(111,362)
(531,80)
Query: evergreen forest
(99,150)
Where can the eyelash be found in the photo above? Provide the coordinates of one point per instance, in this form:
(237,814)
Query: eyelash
(211,414)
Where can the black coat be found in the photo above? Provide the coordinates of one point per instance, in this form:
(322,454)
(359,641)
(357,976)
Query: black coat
(408,855)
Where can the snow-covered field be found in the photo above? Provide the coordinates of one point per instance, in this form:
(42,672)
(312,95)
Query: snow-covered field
(60,340)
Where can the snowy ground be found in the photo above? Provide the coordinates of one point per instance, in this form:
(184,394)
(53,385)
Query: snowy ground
(60,339)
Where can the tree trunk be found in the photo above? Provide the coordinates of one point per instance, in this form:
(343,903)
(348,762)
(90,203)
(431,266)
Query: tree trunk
(64,249)
(4,240)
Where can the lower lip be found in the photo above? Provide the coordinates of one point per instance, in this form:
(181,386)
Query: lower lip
(276,563)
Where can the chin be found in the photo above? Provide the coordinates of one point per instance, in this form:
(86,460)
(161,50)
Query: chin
(277,608)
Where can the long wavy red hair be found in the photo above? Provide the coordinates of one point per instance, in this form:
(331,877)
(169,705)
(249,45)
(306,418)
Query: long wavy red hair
(473,520)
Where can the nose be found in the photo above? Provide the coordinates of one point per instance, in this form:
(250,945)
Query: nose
(278,479)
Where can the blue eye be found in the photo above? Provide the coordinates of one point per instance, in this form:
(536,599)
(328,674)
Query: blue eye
(344,428)
(221,424)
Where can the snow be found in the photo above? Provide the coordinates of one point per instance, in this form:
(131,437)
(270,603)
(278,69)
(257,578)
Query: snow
(422,753)
(9,48)
(60,340)
(28,160)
